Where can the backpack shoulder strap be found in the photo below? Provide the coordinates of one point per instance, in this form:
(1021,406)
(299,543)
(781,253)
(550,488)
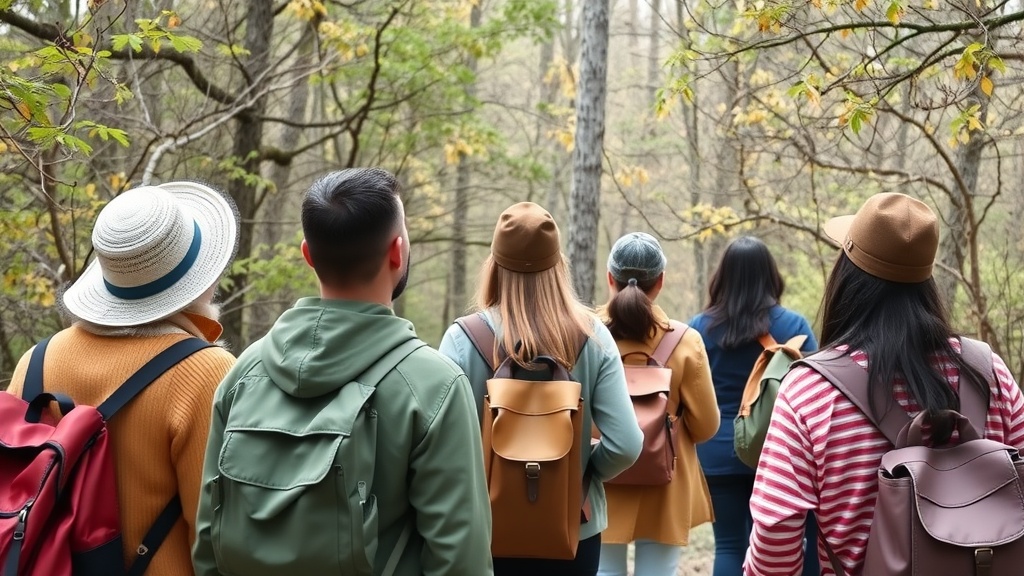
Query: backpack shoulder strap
(851,379)
(34,374)
(32,390)
(388,362)
(146,375)
(372,377)
(481,335)
(669,341)
(973,404)
(124,394)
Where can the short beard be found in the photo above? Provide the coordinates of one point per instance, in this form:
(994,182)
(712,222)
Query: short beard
(402,282)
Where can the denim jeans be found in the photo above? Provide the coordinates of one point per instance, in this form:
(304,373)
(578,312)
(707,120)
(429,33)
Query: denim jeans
(730,497)
(650,559)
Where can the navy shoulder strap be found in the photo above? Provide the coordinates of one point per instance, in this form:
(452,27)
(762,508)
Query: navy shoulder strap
(149,373)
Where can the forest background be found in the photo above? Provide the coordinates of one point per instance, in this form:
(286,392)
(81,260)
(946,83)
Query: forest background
(694,120)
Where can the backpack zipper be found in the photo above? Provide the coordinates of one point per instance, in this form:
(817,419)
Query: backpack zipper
(19,530)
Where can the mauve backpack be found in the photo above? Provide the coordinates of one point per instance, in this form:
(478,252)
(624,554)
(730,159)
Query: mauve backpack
(950,511)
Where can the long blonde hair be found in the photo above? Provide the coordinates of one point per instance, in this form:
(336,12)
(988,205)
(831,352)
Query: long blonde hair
(539,313)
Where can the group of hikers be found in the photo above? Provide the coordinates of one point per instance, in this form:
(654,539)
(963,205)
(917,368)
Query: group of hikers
(340,443)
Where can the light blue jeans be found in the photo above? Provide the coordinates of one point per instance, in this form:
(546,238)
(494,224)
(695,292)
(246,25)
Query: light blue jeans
(651,559)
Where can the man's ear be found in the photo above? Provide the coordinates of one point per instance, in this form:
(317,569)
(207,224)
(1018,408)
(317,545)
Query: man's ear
(395,256)
(305,253)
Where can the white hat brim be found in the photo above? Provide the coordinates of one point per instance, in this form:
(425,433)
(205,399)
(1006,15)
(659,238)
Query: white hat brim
(89,299)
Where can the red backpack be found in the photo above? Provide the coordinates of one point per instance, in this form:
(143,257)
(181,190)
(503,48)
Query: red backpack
(59,510)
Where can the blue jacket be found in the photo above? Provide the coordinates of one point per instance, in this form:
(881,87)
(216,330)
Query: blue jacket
(729,371)
(606,403)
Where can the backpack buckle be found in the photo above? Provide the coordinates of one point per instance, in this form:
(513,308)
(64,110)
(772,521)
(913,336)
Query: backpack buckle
(532,481)
(983,560)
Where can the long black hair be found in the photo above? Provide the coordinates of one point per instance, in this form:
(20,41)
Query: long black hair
(631,312)
(902,328)
(743,290)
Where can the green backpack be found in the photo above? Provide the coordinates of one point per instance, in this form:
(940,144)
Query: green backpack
(294,492)
(751,424)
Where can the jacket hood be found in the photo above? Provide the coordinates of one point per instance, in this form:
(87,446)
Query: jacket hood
(319,345)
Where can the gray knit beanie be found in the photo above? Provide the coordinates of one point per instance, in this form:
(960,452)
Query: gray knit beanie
(636,256)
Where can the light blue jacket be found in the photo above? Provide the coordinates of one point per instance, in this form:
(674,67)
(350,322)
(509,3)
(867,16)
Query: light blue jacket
(605,403)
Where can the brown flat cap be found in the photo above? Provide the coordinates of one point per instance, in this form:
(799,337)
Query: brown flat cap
(526,239)
(892,236)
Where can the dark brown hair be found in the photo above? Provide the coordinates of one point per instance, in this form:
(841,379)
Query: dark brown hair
(631,312)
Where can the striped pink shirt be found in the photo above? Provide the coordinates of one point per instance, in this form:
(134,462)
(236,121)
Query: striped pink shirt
(822,454)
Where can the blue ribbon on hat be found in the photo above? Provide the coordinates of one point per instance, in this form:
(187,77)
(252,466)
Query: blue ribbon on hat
(167,280)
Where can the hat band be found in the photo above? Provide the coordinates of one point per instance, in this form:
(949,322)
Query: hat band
(167,280)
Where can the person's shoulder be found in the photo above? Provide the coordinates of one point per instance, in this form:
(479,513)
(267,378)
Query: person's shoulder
(699,321)
(428,371)
(785,315)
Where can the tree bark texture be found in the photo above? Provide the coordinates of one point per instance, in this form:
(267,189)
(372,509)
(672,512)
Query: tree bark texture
(460,214)
(279,206)
(958,246)
(247,140)
(584,199)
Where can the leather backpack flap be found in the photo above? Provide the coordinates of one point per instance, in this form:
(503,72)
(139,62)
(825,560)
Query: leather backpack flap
(645,380)
(969,495)
(533,421)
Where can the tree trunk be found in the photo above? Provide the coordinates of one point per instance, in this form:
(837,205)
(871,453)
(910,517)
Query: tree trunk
(247,139)
(460,215)
(653,55)
(694,164)
(956,245)
(281,206)
(584,204)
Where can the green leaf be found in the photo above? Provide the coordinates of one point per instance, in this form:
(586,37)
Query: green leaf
(122,40)
(61,90)
(186,43)
(120,135)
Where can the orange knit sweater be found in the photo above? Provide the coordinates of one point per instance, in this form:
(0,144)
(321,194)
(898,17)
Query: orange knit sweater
(159,439)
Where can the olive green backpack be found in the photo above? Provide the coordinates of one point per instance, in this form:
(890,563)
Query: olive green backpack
(294,494)
(751,424)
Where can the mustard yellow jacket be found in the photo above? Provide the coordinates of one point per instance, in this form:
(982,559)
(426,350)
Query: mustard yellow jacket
(667,513)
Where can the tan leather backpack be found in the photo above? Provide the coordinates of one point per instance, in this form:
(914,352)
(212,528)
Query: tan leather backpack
(650,386)
(950,511)
(532,439)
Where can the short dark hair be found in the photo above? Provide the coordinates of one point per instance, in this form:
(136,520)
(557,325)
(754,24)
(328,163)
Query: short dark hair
(349,218)
(902,327)
(743,290)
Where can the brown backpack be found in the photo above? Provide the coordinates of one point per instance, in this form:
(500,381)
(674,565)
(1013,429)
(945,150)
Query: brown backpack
(954,511)
(650,385)
(532,433)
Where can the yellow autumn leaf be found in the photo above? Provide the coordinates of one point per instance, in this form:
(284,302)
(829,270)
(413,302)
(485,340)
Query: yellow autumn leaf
(451,154)
(174,21)
(974,124)
(964,137)
(844,33)
(986,85)
(3,146)
(860,5)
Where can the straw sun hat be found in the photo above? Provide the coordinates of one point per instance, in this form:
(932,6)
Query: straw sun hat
(158,249)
